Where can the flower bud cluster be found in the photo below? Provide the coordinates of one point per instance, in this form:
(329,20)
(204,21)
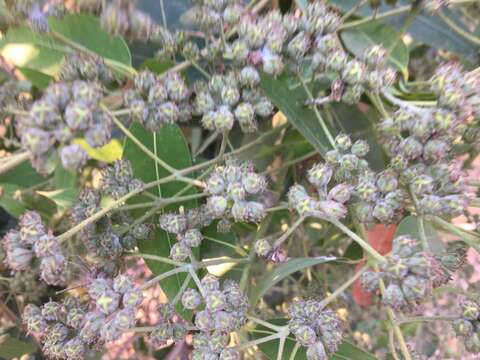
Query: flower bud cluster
(64,112)
(347,160)
(343,164)
(380,198)
(317,328)
(457,92)
(32,248)
(168,328)
(118,180)
(187,237)
(229,98)
(354,76)
(211,16)
(135,234)
(120,17)
(274,41)
(224,311)
(467,326)
(69,329)
(421,147)
(87,204)
(105,246)
(80,66)
(236,191)
(407,274)
(28,285)
(156,101)
(58,325)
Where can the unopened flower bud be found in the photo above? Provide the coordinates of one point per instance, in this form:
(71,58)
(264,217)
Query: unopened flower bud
(173,223)
(191,299)
(262,247)
(180,251)
(317,352)
(393,296)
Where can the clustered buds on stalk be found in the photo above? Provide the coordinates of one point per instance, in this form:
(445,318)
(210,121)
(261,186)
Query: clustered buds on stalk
(156,101)
(32,248)
(68,329)
(121,17)
(187,237)
(225,310)
(341,165)
(408,273)
(235,96)
(64,112)
(118,180)
(467,326)
(236,192)
(317,328)
(79,66)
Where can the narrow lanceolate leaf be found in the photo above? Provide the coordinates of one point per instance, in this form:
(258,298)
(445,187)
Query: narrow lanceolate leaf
(281,272)
(346,350)
(360,38)
(169,145)
(290,100)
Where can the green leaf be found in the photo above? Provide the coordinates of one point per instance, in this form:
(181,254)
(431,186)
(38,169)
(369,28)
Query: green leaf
(360,38)
(10,201)
(23,175)
(411,226)
(291,102)
(281,272)
(64,179)
(63,198)
(213,249)
(37,78)
(11,347)
(169,145)
(427,29)
(26,49)
(86,31)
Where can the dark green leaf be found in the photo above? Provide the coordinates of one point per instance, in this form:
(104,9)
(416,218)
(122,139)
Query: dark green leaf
(169,145)
(37,78)
(281,272)
(427,29)
(64,179)
(86,31)
(360,38)
(411,226)
(11,347)
(156,66)
(22,175)
(211,248)
(291,102)
(9,199)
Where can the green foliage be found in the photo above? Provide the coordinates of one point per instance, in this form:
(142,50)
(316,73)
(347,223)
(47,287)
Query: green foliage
(169,145)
